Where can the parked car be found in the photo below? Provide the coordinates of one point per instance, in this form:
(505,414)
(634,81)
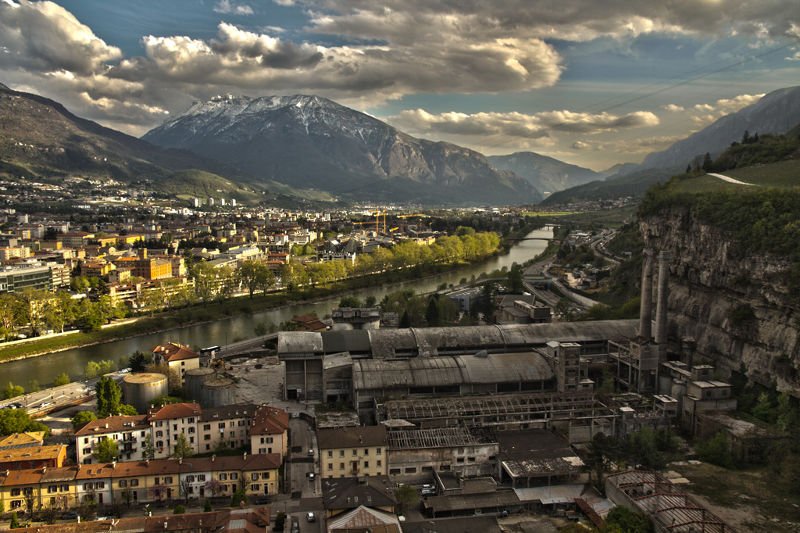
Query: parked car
(311,476)
(311,452)
(311,517)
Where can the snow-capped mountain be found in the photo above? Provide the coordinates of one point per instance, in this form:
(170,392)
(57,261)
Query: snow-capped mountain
(313,142)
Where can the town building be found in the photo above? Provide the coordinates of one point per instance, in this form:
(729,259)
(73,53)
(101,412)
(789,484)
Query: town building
(348,452)
(269,431)
(33,457)
(178,357)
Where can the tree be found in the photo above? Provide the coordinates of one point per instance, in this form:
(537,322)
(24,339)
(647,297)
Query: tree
(109,397)
(106,451)
(139,361)
(350,301)
(149,450)
(12,391)
(708,164)
(182,448)
(127,410)
(716,450)
(62,379)
(82,418)
(18,421)
(515,285)
(207,507)
(624,520)
(599,450)
(11,314)
(764,410)
(14,521)
(432,313)
(255,275)
(179,509)
(407,496)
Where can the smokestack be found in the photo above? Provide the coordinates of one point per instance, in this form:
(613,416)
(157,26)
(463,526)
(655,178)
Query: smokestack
(646,300)
(663,295)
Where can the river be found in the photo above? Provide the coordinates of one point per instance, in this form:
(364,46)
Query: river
(45,368)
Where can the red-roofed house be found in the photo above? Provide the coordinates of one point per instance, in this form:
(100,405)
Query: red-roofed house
(170,421)
(269,431)
(178,357)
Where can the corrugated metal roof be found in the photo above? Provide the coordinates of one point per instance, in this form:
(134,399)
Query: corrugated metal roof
(450,370)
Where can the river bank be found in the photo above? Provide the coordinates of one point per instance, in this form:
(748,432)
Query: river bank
(222,323)
(203,313)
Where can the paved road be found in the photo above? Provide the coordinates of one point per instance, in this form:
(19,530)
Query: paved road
(302,440)
(731,180)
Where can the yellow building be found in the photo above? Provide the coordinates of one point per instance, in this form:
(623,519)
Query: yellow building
(351,452)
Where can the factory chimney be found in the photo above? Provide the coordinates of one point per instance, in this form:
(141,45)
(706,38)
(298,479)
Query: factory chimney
(661,306)
(646,300)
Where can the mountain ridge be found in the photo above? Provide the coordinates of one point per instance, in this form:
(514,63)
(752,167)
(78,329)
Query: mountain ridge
(545,173)
(311,142)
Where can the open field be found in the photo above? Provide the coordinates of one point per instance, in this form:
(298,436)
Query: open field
(781,174)
(749,500)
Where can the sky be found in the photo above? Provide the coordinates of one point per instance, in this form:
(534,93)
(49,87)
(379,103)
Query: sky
(590,82)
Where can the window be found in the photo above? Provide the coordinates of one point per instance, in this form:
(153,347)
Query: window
(221,425)
(123,483)
(134,483)
(377,451)
(366,464)
(411,470)
(87,451)
(52,488)
(355,452)
(459,460)
(64,488)
(341,453)
(156,481)
(254,476)
(191,430)
(201,477)
(100,484)
(269,440)
(16,504)
(167,480)
(341,466)
(191,440)
(190,479)
(86,440)
(366,451)
(86,486)
(206,437)
(175,427)
(160,444)
(330,466)
(191,420)
(234,476)
(379,463)
(223,477)
(206,427)
(255,486)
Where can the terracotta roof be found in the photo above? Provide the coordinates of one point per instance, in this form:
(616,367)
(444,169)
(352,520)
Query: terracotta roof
(365,519)
(17,440)
(250,519)
(31,453)
(28,476)
(114,424)
(53,475)
(175,410)
(237,410)
(269,421)
(244,462)
(172,351)
(352,437)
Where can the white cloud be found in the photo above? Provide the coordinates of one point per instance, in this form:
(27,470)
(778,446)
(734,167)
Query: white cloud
(638,145)
(706,113)
(519,125)
(673,108)
(229,8)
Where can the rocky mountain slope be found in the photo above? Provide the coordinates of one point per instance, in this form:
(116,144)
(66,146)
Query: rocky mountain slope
(546,174)
(734,275)
(777,112)
(40,137)
(312,142)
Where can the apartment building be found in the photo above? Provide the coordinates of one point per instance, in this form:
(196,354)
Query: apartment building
(178,357)
(126,483)
(130,433)
(225,427)
(170,421)
(352,452)
(269,431)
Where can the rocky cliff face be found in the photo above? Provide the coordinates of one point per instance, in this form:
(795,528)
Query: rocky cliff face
(738,309)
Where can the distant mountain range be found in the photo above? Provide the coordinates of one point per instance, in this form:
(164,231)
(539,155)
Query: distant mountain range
(313,142)
(777,112)
(546,174)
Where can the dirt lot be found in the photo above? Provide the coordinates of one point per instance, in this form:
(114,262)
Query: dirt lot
(748,500)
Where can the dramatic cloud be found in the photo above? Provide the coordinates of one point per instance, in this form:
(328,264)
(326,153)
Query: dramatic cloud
(229,8)
(572,20)
(530,126)
(708,113)
(639,145)
(44,36)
